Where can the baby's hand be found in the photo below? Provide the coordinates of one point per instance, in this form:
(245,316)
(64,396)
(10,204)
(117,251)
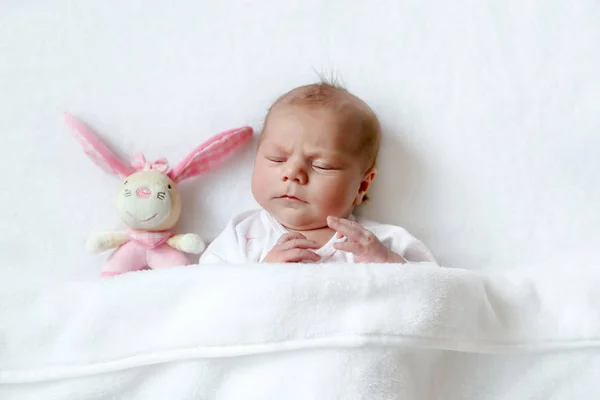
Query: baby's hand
(293,247)
(362,243)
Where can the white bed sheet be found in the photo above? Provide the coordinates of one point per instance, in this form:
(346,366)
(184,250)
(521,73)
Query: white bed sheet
(490,112)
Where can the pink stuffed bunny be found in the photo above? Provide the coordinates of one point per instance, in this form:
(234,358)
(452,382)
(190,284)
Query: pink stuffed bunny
(149,202)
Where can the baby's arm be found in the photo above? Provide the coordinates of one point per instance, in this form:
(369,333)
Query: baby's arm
(378,243)
(401,242)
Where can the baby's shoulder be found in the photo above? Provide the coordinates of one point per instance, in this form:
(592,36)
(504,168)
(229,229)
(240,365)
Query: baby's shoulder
(238,242)
(253,234)
(251,221)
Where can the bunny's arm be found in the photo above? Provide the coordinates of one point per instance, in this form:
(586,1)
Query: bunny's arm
(189,243)
(98,242)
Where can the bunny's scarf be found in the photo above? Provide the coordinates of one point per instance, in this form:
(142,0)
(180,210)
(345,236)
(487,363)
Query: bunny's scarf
(148,239)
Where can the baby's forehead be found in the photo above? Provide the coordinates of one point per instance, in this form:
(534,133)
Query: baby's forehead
(320,123)
(322,134)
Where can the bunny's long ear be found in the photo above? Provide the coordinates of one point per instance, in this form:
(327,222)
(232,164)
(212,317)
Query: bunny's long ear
(96,149)
(206,156)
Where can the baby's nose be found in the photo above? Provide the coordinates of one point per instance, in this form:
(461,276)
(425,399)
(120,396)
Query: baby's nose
(296,174)
(143,193)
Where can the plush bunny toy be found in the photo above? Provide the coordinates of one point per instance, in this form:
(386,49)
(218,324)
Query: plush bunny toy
(149,202)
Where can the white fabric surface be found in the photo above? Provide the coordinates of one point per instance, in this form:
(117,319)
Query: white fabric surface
(250,236)
(490,113)
(304,332)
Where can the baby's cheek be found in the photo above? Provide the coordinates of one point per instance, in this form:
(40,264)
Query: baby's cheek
(337,196)
(259,186)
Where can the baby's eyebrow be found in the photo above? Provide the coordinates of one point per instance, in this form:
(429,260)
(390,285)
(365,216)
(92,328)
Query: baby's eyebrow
(275,147)
(325,151)
(335,156)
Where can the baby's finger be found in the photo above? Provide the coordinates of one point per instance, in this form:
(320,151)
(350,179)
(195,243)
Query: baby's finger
(298,255)
(350,247)
(299,244)
(290,236)
(351,229)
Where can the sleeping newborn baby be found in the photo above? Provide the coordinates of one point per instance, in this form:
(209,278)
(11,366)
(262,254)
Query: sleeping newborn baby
(315,163)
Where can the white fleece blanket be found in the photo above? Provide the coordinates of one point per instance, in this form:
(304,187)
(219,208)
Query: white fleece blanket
(303,332)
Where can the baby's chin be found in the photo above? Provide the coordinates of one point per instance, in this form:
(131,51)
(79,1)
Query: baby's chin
(298,220)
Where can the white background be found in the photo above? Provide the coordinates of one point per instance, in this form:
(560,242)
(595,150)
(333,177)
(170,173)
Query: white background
(491,111)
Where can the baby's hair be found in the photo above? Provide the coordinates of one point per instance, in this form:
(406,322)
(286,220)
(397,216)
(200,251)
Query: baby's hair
(329,93)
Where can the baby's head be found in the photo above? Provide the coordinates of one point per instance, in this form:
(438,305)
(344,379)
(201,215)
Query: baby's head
(316,156)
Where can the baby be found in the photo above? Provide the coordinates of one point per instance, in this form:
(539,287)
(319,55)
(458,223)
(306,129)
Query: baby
(315,163)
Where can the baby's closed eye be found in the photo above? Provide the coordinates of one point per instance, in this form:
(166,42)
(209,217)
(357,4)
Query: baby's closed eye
(276,159)
(324,167)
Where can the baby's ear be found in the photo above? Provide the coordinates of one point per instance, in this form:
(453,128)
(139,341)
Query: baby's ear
(365,184)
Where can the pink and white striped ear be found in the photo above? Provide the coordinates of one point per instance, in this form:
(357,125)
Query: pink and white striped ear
(206,156)
(96,149)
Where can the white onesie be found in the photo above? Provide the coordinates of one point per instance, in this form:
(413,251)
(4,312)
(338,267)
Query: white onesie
(251,235)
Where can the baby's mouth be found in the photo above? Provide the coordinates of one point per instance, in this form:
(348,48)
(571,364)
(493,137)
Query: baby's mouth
(291,198)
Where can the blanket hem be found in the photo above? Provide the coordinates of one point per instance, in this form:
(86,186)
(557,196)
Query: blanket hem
(50,373)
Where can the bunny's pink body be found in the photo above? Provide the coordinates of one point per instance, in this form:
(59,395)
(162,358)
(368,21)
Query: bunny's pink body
(139,254)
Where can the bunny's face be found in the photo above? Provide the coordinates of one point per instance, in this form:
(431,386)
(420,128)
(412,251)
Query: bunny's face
(149,200)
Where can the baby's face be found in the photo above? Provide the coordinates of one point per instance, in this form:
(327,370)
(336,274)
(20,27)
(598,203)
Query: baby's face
(308,167)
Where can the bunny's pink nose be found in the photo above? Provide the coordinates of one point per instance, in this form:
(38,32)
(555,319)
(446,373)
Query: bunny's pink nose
(143,193)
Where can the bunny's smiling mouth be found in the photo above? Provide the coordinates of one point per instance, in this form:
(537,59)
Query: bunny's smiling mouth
(142,220)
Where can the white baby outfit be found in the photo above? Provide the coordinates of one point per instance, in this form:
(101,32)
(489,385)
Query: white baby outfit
(251,235)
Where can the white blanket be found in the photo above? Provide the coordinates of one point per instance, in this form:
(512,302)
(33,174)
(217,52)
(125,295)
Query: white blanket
(303,332)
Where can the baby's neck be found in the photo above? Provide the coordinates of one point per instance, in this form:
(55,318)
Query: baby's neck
(319,235)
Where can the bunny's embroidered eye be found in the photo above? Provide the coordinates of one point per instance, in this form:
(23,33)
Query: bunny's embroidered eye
(169,186)
(125,183)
